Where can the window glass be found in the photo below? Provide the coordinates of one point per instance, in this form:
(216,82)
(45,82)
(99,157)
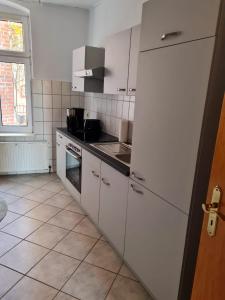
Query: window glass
(13,94)
(11,36)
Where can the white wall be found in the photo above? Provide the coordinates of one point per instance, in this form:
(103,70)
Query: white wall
(112,16)
(56,31)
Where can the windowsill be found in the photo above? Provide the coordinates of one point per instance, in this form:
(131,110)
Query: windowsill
(11,134)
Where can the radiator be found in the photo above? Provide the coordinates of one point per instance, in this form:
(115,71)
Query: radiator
(23,157)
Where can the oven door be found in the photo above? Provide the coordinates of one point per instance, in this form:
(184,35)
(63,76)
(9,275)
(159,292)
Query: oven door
(73,168)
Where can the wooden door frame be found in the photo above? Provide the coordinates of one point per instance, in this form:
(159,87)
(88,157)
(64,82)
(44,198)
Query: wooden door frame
(209,131)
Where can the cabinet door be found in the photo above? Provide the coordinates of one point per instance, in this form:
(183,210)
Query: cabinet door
(90,184)
(154,243)
(133,63)
(78,84)
(113,203)
(191,19)
(116,63)
(170,101)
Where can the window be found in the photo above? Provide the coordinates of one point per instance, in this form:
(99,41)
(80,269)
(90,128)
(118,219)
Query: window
(15,75)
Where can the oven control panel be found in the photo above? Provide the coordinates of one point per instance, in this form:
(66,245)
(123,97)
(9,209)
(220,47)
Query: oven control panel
(74,148)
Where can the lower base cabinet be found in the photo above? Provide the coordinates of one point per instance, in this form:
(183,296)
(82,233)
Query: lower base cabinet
(154,243)
(113,205)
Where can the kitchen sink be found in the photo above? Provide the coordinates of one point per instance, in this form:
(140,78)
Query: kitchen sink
(119,151)
(124,157)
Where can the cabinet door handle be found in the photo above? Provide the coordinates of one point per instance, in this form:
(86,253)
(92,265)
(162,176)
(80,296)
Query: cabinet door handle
(58,144)
(136,190)
(164,36)
(121,90)
(137,176)
(105,182)
(95,174)
(132,90)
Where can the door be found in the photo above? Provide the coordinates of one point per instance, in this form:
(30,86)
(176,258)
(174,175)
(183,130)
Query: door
(133,64)
(73,168)
(154,244)
(176,21)
(210,268)
(90,184)
(117,50)
(113,205)
(171,93)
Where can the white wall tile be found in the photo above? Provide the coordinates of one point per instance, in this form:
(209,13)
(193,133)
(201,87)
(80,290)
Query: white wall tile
(38,128)
(75,101)
(126,107)
(37,100)
(47,101)
(56,101)
(131,111)
(65,101)
(56,87)
(47,87)
(66,88)
(36,86)
(47,128)
(47,114)
(57,115)
(38,114)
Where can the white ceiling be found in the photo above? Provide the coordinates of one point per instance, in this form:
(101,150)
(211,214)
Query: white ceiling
(74,3)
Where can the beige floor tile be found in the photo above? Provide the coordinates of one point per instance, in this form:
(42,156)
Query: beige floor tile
(5,185)
(54,269)
(65,192)
(126,272)
(63,296)
(75,245)
(22,206)
(29,289)
(66,219)
(53,186)
(8,198)
(7,279)
(43,212)
(40,195)
(20,179)
(20,190)
(59,200)
(102,255)
(126,289)
(88,228)
(89,283)
(10,217)
(23,257)
(74,207)
(7,242)
(37,182)
(22,227)
(47,235)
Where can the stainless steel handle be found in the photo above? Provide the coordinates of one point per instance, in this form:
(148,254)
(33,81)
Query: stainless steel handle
(121,90)
(75,87)
(95,174)
(136,190)
(170,34)
(68,150)
(105,182)
(58,144)
(137,177)
(132,90)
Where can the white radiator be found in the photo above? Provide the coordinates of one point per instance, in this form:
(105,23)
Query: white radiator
(23,157)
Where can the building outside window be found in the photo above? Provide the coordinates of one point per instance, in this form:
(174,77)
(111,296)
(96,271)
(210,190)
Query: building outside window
(15,75)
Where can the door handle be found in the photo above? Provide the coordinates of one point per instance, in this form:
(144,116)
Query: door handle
(105,182)
(95,174)
(137,176)
(212,209)
(164,36)
(132,90)
(121,90)
(136,190)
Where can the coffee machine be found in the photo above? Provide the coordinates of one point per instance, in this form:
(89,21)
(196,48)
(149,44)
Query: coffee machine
(75,120)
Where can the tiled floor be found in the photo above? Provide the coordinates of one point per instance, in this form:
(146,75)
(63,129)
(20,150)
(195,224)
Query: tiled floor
(49,249)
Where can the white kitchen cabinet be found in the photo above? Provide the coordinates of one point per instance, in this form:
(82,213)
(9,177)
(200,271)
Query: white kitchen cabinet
(171,93)
(133,61)
(91,173)
(113,204)
(179,20)
(154,244)
(60,156)
(117,62)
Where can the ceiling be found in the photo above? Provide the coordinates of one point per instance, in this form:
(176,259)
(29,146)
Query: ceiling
(74,3)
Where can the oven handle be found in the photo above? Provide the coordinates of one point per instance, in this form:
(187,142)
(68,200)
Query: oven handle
(71,152)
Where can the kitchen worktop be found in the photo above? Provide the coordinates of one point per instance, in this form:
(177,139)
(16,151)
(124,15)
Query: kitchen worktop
(86,144)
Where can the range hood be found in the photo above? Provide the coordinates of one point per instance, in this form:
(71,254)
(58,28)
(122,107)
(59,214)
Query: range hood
(88,69)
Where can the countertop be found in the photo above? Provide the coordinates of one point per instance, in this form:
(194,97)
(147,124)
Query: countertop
(119,166)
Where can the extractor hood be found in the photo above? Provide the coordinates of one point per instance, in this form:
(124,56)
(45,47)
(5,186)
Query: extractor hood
(88,69)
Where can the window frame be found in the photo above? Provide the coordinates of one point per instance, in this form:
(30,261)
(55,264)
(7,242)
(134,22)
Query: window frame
(24,57)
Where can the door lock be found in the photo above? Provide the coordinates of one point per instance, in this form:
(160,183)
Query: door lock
(213,210)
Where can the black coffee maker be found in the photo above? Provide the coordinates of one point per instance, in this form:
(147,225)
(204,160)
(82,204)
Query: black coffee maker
(75,120)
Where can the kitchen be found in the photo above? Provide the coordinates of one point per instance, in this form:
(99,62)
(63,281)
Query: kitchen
(106,143)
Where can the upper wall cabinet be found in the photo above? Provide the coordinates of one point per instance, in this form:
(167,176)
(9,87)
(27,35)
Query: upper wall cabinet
(177,21)
(121,59)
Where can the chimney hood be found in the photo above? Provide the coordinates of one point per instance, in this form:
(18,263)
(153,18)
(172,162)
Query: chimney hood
(88,69)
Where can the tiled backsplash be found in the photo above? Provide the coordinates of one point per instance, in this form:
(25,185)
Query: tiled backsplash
(110,109)
(50,100)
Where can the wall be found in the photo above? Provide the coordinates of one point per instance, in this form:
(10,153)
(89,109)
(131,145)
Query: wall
(112,16)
